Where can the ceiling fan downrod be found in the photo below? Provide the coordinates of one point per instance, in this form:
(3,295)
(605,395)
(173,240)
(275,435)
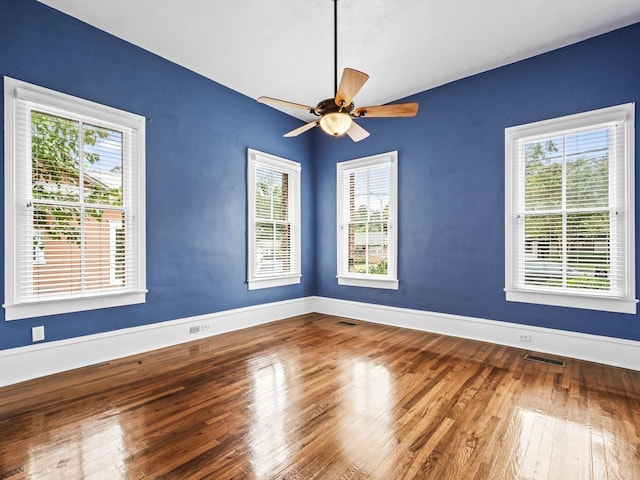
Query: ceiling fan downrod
(335,47)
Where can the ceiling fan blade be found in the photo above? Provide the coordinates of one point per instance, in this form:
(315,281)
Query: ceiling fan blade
(350,84)
(392,110)
(282,103)
(297,131)
(356,132)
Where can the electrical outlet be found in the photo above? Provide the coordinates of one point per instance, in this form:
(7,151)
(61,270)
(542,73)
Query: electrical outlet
(37,334)
(194,329)
(525,337)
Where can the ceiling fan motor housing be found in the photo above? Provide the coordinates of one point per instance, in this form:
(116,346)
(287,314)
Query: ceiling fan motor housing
(329,106)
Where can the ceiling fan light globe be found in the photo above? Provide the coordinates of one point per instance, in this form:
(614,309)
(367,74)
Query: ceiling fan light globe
(335,123)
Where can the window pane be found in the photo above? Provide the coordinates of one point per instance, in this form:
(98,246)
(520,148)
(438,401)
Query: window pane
(103,157)
(359,212)
(357,248)
(543,250)
(273,249)
(62,270)
(280,194)
(75,259)
(98,248)
(54,153)
(55,221)
(378,245)
(378,192)
(368,248)
(271,194)
(282,248)
(588,254)
(588,169)
(358,197)
(263,195)
(264,249)
(543,174)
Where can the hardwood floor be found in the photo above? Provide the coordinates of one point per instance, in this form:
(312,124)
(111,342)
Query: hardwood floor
(310,398)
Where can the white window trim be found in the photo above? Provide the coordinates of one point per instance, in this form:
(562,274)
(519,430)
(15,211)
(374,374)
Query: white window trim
(15,90)
(624,304)
(389,281)
(255,157)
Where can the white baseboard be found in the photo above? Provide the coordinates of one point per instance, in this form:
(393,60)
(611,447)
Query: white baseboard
(33,361)
(594,348)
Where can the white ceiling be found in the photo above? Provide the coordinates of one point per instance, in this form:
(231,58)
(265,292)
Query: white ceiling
(284,48)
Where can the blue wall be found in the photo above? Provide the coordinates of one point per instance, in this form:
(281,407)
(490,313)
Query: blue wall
(451,175)
(451,182)
(197,136)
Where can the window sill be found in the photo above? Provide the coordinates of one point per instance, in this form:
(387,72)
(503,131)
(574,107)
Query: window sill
(385,283)
(258,283)
(54,307)
(605,304)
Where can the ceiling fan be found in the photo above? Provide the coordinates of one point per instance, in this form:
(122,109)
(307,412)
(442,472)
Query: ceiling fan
(337,114)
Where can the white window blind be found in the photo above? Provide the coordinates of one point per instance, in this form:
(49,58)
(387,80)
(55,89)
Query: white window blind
(367,234)
(570,224)
(75,169)
(274,221)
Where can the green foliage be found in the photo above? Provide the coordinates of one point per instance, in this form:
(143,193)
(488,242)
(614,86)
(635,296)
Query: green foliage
(588,282)
(543,176)
(379,268)
(593,283)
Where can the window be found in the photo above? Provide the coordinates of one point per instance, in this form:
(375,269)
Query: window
(367,212)
(74,204)
(569,230)
(273,221)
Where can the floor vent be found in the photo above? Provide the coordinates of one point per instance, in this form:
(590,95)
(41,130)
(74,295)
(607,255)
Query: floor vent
(548,361)
(348,324)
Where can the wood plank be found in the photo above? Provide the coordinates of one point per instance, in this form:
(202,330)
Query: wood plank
(308,398)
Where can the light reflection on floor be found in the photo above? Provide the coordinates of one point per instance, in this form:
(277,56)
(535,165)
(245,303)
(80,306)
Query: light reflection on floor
(269,444)
(366,407)
(542,444)
(93,451)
